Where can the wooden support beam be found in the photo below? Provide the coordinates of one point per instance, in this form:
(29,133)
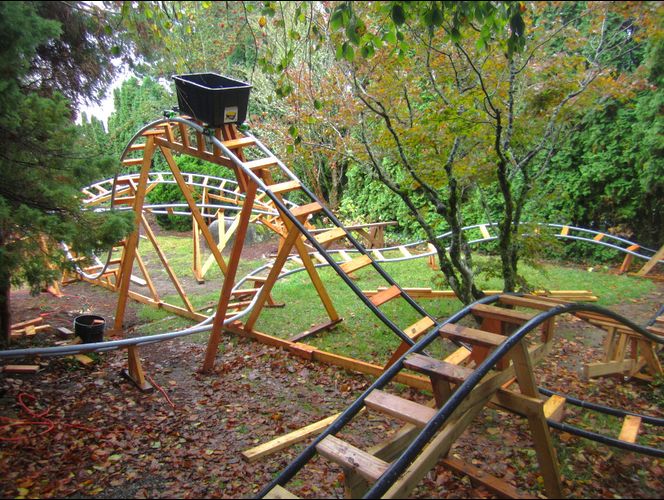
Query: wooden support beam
(129,249)
(659,255)
(316,281)
(165,263)
(497,486)
(135,371)
(193,208)
(229,281)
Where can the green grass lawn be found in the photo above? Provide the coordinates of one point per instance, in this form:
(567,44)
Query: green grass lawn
(361,334)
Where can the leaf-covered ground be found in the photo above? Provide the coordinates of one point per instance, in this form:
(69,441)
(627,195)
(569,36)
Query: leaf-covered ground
(104,439)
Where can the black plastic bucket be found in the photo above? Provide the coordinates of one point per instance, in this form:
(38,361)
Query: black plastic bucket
(90,328)
(212,98)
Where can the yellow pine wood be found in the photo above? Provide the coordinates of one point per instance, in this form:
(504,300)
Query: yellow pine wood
(347,455)
(315,279)
(282,442)
(400,408)
(419,327)
(630,428)
(504,315)
(229,281)
(471,335)
(196,214)
(169,270)
(261,163)
(285,187)
(355,264)
(330,236)
(129,249)
(386,295)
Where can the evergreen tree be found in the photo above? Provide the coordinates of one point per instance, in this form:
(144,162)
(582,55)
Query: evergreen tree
(42,161)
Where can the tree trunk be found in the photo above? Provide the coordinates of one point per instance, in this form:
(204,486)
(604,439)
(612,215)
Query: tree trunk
(5,288)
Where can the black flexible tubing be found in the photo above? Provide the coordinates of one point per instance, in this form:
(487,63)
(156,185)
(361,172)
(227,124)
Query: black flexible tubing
(345,417)
(609,441)
(616,412)
(399,466)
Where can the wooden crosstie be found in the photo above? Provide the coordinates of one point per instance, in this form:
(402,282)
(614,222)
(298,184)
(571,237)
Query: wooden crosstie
(463,384)
(510,386)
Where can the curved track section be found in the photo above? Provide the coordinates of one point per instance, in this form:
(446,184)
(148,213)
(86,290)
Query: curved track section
(437,422)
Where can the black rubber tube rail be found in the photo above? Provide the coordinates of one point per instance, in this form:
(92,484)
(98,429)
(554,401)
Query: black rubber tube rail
(399,466)
(347,415)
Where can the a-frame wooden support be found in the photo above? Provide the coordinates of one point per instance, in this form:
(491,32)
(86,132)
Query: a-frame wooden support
(652,262)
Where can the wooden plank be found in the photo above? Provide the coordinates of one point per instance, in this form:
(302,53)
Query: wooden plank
(540,303)
(598,369)
(285,187)
(241,142)
(123,280)
(436,368)
(400,408)
(229,280)
(167,266)
(439,445)
(31,322)
(630,428)
(544,449)
(505,315)
(347,455)
(497,486)
(404,251)
(130,162)
(344,255)
(377,255)
(279,492)
(261,163)
(652,262)
(331,235)
(305,210)
(319,258)
(83,359)
(315,329)
(599,237)
(458,356)
(193,208)
(20,369)
(485,232)
(471,335)
(419,327)
(355,264)
(316,281)
(282,442)
(564,231)
(385,296)
(554,408)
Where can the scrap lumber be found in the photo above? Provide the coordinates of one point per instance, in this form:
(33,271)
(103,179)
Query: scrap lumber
(20,368)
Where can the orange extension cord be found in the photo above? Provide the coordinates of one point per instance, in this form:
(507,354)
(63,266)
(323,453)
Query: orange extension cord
(34,419)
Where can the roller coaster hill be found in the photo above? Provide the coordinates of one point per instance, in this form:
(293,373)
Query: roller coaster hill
(487,364)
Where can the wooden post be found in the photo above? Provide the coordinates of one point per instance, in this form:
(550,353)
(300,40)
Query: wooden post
(229,281)
(652,262)
(135,372)
(546,453)
(196,268)
(129,250)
